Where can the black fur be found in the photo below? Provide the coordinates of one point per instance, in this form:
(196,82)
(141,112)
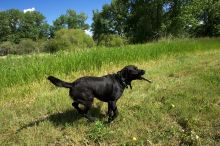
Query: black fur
(108,88)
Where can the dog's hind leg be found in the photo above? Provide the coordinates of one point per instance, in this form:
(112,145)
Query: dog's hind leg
(76,106)
(87,106)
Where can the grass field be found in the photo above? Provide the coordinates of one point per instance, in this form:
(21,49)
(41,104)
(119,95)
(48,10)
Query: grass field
(180,107)
(22,70)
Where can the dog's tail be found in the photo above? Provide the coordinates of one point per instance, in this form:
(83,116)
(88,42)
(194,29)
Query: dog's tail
(59,83)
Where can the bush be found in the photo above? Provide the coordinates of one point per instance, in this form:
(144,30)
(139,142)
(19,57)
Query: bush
(55,45)
(112,40)
(69,39)
(7,48)
(26,46)
(40,44)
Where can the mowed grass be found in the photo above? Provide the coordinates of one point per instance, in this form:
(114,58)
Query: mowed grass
(180,107)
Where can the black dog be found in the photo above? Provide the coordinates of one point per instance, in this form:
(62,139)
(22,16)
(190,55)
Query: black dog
(108,88)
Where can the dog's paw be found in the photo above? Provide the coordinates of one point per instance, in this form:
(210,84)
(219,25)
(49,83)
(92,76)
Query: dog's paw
(90,118)
(110,120)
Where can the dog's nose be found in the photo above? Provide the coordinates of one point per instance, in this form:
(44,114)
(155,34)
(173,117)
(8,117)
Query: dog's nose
(142,72)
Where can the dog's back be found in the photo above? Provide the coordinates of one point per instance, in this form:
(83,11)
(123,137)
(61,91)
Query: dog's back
(102,88)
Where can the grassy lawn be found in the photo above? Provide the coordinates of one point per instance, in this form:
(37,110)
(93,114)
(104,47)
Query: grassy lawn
(181,106)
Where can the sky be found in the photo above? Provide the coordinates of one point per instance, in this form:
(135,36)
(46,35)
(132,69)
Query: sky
(52,9)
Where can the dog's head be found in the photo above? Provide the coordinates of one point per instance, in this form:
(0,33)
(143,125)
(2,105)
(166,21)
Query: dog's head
(131,72)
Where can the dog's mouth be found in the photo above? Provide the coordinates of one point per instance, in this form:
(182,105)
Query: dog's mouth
(141,73)
(138,74)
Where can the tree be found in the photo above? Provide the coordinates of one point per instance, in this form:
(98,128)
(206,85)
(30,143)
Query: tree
(71,20)
(15,25)
(14,17)
(60,23)
(145,20)
(173,18)
(111,20)
(208,15)
(102,23)
(139,20)
(193,17)
(4,27)
(33,26)
(120,14)
(97,26)
(76,21)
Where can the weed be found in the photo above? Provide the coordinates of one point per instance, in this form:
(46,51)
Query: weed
(98,132)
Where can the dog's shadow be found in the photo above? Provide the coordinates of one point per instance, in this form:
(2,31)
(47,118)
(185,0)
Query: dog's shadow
(62,118)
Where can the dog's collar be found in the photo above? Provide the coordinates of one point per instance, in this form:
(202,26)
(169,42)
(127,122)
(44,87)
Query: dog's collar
(123,81)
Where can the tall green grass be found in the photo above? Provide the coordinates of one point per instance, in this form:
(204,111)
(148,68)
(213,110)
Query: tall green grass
(24,69)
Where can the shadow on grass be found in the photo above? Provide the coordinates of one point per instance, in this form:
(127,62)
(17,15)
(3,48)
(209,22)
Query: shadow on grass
(62,118)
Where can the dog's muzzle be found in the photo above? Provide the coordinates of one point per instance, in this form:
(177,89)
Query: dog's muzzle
(141,72)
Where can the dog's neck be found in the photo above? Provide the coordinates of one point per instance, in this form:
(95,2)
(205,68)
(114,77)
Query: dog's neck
(123,80)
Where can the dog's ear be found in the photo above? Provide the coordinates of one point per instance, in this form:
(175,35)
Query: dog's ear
(124,72)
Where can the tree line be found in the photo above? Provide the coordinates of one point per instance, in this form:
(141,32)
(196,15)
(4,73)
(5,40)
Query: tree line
(117,23)
(16,25)
(145,20)
(29,32)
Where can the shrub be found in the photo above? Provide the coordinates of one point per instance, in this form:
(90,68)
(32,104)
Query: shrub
(7,48)
(69,39)
(40,45)
(112,40)
(55,45)
(26,46)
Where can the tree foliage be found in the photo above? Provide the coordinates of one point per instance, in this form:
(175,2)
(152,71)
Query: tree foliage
(15,25)
(71,20)
(205,17)
(145,20)
(111,20)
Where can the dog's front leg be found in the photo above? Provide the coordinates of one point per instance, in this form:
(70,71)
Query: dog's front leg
(109,109)
(112,110)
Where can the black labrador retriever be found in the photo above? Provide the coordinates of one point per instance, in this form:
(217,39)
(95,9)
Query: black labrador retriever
(108,88)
